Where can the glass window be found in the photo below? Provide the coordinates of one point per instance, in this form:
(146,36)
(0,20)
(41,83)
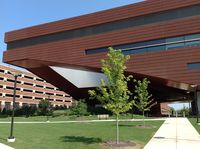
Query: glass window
(194,65)
(156,48)
(175,39)
(175,45)
(152,42)
(126,52)
(137,51)
(194,36)
(127,46)
(192,43)
(99,50)
(153,45)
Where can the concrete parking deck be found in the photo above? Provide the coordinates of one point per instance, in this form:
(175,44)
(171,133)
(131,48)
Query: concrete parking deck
(175,133)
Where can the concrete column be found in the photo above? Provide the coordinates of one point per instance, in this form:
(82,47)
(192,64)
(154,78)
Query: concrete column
(156,110)
(5,79)
(198,101)
(2,105)
(4,86)
(20,104)
(3,94)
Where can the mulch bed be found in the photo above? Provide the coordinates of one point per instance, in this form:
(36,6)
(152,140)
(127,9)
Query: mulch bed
(145,126)
(120,145)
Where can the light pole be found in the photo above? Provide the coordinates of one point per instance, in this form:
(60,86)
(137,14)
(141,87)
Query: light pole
(48,108)
(11,138)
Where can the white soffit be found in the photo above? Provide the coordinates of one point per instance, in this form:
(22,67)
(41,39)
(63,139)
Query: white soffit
(80,78)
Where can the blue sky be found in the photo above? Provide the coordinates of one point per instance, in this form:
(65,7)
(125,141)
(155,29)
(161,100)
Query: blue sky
(16,14)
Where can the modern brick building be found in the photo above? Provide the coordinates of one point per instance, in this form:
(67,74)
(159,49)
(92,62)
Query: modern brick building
(30,90)
(161,36)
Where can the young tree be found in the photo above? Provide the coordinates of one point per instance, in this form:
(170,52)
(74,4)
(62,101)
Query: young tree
(142,97)
(113,93)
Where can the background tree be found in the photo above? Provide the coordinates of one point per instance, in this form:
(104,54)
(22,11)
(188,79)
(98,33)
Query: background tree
(113,93)
(44,107)
(79,108)
(142,97)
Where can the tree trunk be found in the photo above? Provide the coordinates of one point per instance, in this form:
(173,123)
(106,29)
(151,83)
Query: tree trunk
(143,118)
(117,129)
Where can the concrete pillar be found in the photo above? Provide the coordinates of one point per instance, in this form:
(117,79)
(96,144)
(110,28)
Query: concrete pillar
(20,104)
(2,105)
(4,86)
(156,110)
(198,102)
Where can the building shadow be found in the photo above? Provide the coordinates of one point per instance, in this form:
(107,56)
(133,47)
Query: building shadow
(82,139)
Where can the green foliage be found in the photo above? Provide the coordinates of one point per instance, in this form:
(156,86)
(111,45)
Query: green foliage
(44,107)
(185,110)
(60,107)
(79,108)
(143,98)
(114,94)
(57,113)
(26,111)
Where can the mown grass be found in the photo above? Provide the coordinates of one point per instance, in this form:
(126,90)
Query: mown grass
(74,135)
(193,121)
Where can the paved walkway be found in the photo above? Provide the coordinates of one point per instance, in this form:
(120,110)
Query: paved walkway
(3,146)
(82,121)
(175,133)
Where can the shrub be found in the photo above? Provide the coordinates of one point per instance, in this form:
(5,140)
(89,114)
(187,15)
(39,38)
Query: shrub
(79,108)
(57,113)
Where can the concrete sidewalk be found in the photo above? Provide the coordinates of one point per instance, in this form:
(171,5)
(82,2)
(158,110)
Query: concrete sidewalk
(3,146)
(175,133)
(84,121)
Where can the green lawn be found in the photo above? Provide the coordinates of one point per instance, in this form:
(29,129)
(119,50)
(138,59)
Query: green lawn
(74,135)
(193,121)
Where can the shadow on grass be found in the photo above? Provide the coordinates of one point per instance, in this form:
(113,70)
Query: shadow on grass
(126,125)
(82,139)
